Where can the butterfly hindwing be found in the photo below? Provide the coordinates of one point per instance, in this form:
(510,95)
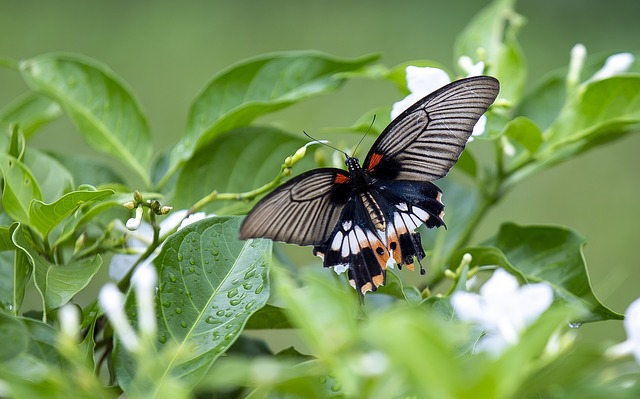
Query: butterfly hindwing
(356,246)
(302,211)
(425,141)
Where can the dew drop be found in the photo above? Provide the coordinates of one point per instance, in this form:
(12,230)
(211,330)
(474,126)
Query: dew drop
(247,286)
(575,325)
(179,257)
(220,313)
(166,304)
(216,335)
(235,281)
(172,278)
(192,269)
(250,273)
(162,339)
(183,324)
(232,293)
(235,301)
(178,310)
(211,320)
(259,289)
(336,387)
(192,261)
(249,305)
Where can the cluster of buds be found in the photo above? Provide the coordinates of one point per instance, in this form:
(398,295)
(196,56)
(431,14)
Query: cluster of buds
(138,204)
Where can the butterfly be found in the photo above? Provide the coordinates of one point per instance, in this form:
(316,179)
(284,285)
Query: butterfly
(363,220)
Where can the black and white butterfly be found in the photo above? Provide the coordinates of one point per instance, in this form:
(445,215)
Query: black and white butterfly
(363,220)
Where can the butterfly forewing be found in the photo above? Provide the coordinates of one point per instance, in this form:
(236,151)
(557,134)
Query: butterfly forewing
(302,211)
(426,140)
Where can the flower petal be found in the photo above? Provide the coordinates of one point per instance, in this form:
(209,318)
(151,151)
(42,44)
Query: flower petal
(614,65)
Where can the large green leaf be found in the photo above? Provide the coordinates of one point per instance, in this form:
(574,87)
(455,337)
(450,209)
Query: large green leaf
(210,284)
(98,102)
(546,254)
(257,86)
(44,217)
(30,112)
(57,284)
(20,187)
(15,272)
(240,160)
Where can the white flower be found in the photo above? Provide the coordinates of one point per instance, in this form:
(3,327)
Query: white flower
(112,302)
(424,80)
(142,237)
(466,64)
(69,318)
(632,328)
(144,283)
(614,65)
(503,309)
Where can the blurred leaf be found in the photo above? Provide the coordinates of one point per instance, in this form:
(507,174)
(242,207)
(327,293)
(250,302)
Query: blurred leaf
(546,254)
(525,132)
(604,111)
(238,161)
(98,102)
(493,32)
(16,143)
(15,273)
(30,112)
(20,187)
(257,86)
(611,102)
(14,332)
(394,288)
(5,239)
(210,284)
(462,203)
(44,217)
(467,163)
(269,317)
(89,170)
(54,180)
(545,101)
(57,284)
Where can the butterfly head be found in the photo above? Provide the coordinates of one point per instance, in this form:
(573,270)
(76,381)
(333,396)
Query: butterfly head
(352,163)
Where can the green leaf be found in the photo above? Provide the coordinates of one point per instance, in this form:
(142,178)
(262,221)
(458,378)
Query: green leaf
(553,255)
(29,112)
(525,132)
(15,272)
(238,161)
(467,163)
(44,217)
(53,178)
(604,107)
(210,284)
(257,86)
(57,284)
(89,170)
(98,102)
(394,288)
(492,32)
(16,143)
(20,187)
(12,331)
(269,317)
(5,239)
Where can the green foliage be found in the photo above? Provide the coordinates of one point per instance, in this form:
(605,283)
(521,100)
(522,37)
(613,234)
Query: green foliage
(63,221)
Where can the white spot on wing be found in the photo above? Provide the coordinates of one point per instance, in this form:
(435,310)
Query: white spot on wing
(336,244)
(346,226)
(353,243)
(360,235)
(416,220)
(424,216)
(340,268)
(402,206)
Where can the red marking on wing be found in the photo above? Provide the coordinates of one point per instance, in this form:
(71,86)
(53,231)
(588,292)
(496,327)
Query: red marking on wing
(341,179)
(374,161)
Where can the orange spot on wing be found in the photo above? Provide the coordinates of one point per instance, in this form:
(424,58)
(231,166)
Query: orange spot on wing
(378,280)
(375,160)
(341,179)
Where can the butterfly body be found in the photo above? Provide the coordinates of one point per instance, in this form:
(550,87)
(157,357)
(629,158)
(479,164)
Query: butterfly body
(363,220)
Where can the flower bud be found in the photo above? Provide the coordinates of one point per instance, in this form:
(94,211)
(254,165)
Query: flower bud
(165,210)
(137,197)
(129,205)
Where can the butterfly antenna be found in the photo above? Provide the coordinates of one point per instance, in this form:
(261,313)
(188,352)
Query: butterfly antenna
(365,134)
(324,142)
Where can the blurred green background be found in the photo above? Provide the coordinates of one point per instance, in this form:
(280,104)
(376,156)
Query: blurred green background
(167,50)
